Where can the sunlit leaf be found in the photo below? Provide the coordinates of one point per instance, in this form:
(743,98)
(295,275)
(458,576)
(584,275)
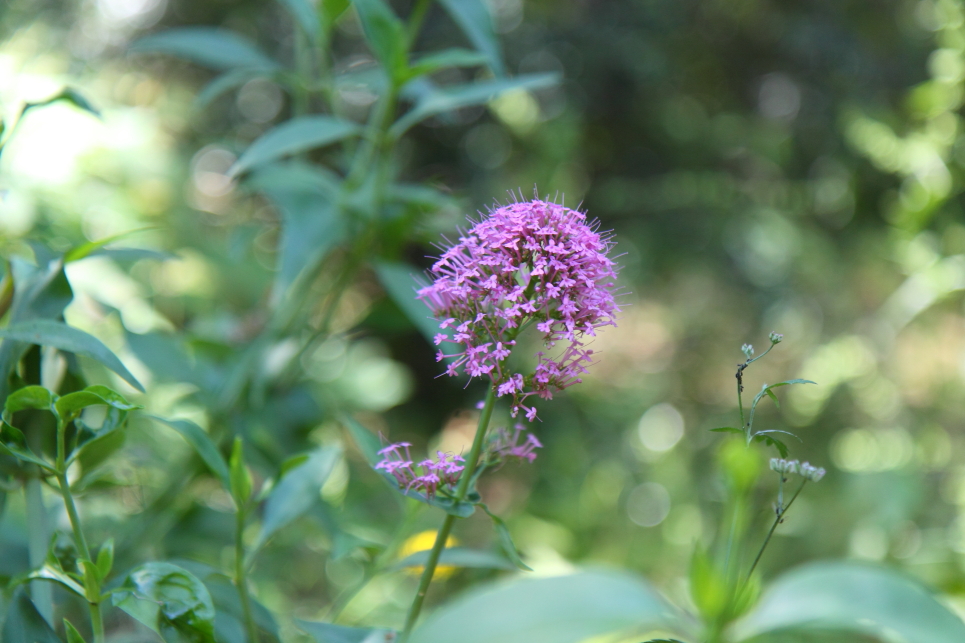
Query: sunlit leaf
(28,397)
(562,609)
(50,573)
(476,22)
(169,600)
(85,250)
(291,137)
(450,98)
(45,332)
(97,395)
(852,597)
(210,47)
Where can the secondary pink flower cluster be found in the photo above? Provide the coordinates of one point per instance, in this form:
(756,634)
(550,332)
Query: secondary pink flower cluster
(427,476)
(530,262)
(505,444)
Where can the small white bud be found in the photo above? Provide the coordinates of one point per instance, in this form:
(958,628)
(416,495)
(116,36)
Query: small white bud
(748,350)
(776,338)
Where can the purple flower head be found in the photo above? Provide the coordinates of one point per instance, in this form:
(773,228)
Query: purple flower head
(505,444)
(427,476)
(525,263)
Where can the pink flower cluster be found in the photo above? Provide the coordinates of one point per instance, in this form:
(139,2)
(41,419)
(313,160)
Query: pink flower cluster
(525,263)
(505,444)
(427,476)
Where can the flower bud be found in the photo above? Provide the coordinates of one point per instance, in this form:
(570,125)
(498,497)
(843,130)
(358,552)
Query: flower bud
(811,472)
(748,350)
(776,338)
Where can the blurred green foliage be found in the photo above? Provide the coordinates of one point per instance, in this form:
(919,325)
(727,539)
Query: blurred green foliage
(794,167)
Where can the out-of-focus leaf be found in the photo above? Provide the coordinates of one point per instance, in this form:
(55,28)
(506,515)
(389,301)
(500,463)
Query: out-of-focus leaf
(304,14)
(459,557)
(330,633)
(95,445)
(226,600)
(476,22)
(24,622)
(96,395)
(446,59)
(291,137)
(728,429)
(384,33)
(296,493)
(399,281)
(85,250)
(310,225)
(73,636)
(240,476)
(45,332)
(449,98)
(852,597)
(225,83)
(332,10)
(205,448)
(708,585)
(506,540)
(28,397)
(132,254)
(210,47)
(367,442)
(169,600)
(563,609)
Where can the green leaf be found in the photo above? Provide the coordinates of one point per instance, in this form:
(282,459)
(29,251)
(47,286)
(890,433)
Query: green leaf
(728,429)
(169,600)
(562,609)
(28,397)
(304,15)
(367,442)
(210,47)
(296,493)
(50,573)
(24,622)
(226,82)
(95,446)
(85,250)
(330,633)
(73,636)
(797,381)
(399,281)
(856,598)
(240,476)
(446,59)
(506,540)
(332,10)
(45,332)
(292,137)
(203,445)
(772,442)
(708,586)
(12,443)
(459,557)
(73,403)
(446,99)
(105,559)
(384,33)
(476,22)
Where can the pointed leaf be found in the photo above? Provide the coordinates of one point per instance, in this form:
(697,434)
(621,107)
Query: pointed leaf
(458,557)
(446,59)
(367,442)
(24,622)
(203,446)
(210,47)
(296,493)
(105,559)
(73,636)
(51,573)
(330,633)
(856,598)
(240,476)
(506,540)
(450,98)
(728,429)
(332,10)
(476,22)
(45,332)
(291,137)
(399,281)
(85,250)
(384,33)
(562,609)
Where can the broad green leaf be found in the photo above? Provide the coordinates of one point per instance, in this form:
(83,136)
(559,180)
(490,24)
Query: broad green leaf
(310,223)
(330,633)
(240,476)
(203,445)
(399,281)
(169,600)
(562,609)
(291,137)
(304,15)
(476,22)
(506,540)
(226,82)
(24,622)
(45,332)
(73,636)
(384,33)
(72,403)
(446,99)
(856,598)
(459,557)
(446,59)
(210,47)
(296,493)
(28,397)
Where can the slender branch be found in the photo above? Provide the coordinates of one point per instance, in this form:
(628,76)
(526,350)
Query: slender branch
(443,535)
(241,581)
(781,512)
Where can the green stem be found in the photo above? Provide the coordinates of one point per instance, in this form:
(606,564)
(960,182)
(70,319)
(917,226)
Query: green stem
(443,535)
(782,511)
(93,601)
(241,581)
